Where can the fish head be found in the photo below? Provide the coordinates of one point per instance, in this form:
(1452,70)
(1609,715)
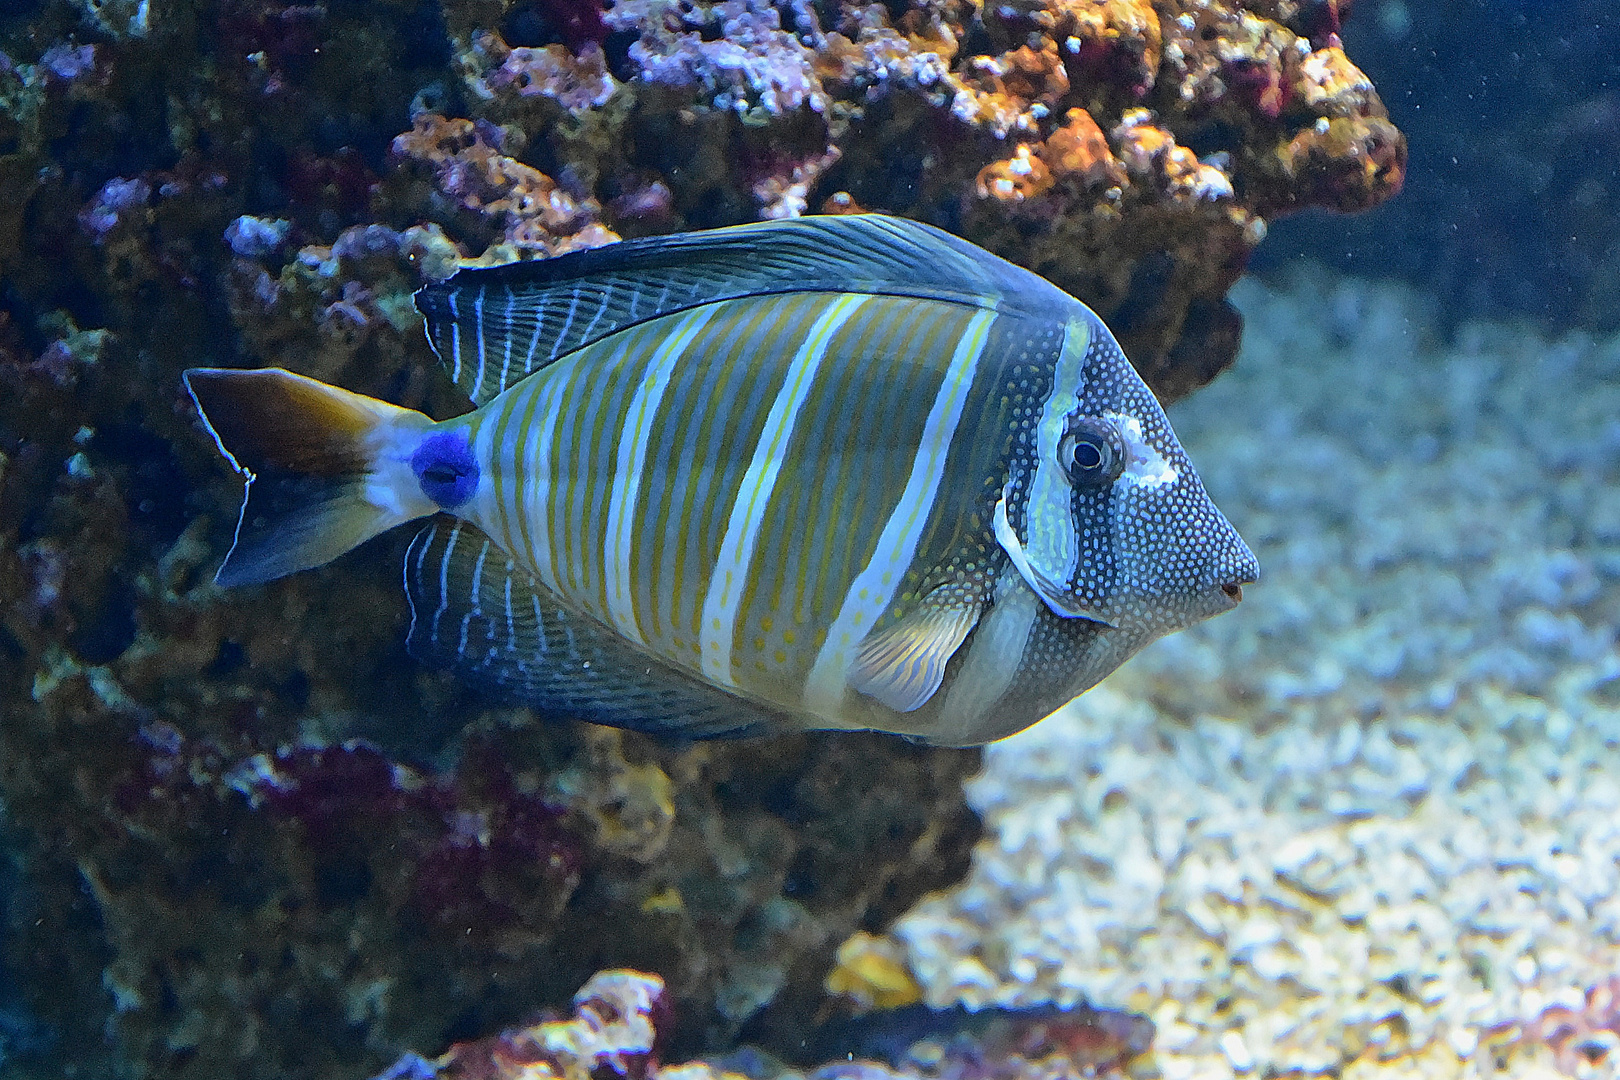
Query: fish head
(1114,523)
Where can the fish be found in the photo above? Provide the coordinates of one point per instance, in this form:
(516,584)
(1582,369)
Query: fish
(845,472)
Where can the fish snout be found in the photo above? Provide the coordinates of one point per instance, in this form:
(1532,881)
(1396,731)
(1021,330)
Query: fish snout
(1234,567)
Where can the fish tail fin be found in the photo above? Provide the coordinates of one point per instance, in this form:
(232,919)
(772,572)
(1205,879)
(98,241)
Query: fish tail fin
(324,467)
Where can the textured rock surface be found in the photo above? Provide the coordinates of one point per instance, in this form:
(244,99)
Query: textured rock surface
(1132,152)
(265,906)
(1364,826)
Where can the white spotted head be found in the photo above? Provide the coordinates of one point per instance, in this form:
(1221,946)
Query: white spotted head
(1103,514)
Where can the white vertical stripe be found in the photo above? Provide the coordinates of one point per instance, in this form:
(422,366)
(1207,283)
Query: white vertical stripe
(718,624)
(875,586)
(511,494)
(431,532)
(538,454)
(1050,541)
(476,611)
(568,320)
(506,339)
(511,622)
(638,423)
(601,306)
(444,584)
(484,508)
(478,321)
(478,580)
(455,337)
(534,340)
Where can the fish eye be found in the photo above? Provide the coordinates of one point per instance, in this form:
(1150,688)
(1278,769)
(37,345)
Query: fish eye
(1092,452)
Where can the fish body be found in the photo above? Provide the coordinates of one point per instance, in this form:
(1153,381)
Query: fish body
(846,472)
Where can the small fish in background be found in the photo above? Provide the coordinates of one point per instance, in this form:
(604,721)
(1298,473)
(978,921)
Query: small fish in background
(843,472)
(990,1043)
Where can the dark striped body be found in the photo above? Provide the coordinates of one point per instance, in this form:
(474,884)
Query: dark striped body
(823,473)
(746,489)
(790,494)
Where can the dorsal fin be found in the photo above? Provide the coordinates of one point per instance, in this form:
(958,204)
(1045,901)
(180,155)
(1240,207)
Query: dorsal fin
(491,327)
(475,612)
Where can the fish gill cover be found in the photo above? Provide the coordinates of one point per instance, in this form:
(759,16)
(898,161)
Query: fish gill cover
(253,836)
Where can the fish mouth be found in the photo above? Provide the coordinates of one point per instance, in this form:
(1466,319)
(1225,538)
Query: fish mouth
(1234,592)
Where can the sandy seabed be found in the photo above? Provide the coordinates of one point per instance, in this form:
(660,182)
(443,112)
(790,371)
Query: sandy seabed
(1367,824)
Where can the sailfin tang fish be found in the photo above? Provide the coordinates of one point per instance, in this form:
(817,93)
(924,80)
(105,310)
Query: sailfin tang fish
(830,472)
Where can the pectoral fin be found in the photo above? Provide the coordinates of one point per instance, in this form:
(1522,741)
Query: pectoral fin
(903,664)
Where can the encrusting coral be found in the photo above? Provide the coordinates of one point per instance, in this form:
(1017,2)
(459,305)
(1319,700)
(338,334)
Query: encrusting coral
(1223,114)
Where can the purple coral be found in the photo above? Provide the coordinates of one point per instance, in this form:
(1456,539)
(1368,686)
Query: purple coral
(578,22)
(253,237)
(614,1034)
(68,62)
(499,848)
(484,855)
(752,63)
(576,81)
(116,198)
(1260,85)
(327,788)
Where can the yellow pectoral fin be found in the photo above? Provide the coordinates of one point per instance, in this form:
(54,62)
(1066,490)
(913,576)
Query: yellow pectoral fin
(903,664)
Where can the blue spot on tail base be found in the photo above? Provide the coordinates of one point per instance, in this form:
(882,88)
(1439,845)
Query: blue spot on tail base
(445,467)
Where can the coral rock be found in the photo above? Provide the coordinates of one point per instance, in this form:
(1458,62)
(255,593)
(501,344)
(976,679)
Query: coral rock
(539,217)
(1330,85)
(872,974)
(575,81)
(611,1034)
(1079,151)
(1023,176)
(1346,164)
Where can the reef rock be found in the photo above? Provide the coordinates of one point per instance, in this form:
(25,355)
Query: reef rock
(615,1034)
(1217,117)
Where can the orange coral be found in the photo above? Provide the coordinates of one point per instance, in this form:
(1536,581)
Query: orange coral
(1349,164)
(1035,75)
(1114,42)
(1131,24)
(1079,150)
(842,202)
(1330,85)
(1022,176)
(1013,91)
(1152,154)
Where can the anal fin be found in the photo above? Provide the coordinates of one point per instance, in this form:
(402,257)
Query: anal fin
(473,610)
(903,664)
